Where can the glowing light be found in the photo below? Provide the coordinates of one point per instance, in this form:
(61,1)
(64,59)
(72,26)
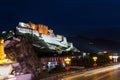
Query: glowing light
(2,56)
(2,61)
(110,57)
(94,58)
(104,51)
(67,60)
(115,56)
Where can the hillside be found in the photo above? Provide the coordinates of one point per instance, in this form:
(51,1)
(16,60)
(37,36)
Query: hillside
(20,49)
(41,37)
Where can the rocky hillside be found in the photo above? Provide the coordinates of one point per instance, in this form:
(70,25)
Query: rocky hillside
(41,37)
(20,49)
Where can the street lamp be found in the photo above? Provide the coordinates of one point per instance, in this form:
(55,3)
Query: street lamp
(95,59)
(67,61)
(110,57)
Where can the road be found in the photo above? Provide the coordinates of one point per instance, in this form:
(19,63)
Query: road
(106,73)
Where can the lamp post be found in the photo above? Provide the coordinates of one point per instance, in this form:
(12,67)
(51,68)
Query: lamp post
(67,61)
(110,57)
(95,59)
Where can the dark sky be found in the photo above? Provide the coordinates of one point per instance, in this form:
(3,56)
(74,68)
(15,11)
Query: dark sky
(93,18)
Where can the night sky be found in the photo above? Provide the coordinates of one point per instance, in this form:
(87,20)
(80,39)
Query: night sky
(91,18)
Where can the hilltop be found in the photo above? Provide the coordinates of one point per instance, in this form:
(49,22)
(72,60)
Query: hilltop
(41,37)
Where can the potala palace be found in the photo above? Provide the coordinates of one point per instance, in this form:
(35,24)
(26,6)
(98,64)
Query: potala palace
(43,33)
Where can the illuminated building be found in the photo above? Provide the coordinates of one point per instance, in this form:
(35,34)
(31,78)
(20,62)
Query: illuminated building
(33,26)
(42,32)
(5,68)
(2,54)
(42,29)
(3,59)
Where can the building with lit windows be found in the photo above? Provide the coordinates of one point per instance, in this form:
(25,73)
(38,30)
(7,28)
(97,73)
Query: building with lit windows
(45,34)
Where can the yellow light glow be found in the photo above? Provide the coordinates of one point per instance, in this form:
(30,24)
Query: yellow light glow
(2,61)
(110,57)
(2,56)
(94,58)
(2,53)
(67,60)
